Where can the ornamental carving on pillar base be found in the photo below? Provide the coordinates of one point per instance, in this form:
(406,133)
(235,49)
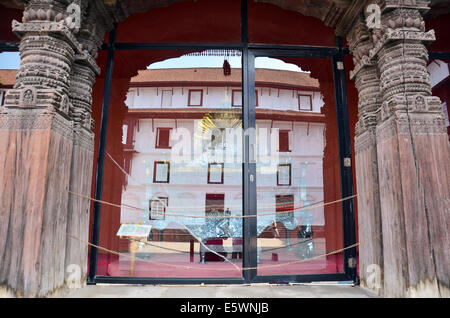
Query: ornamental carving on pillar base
(37,120)
(29,97)
(365,140)
(424,113)
(366,122)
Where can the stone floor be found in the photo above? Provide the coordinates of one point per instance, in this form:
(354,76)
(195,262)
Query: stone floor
(318,290)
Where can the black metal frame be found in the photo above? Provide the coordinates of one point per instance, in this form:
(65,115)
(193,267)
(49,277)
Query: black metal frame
(439,55)
(249,52)
(345,153)
(336,55)
(9,47)
(93,256)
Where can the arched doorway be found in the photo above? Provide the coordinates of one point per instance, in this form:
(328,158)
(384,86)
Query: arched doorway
(244,27)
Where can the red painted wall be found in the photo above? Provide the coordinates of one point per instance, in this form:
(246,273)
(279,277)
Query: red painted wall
(440,25)
(6,17)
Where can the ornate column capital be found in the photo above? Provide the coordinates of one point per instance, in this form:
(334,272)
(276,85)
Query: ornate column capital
(91,33)
(365,75)
(387,5)
(399,49)
(360,44)
(59,44)
(48,48)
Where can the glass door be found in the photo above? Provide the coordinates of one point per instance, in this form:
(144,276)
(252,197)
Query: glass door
(173,168)
(227,172)
(295,227)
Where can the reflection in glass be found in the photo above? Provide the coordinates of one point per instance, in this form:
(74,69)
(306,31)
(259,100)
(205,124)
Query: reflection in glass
(174,167)
(179,170)
(297,140)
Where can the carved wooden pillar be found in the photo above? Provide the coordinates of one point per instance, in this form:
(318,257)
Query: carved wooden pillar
(367,82)
(82,79)
(38,131)
(413,155)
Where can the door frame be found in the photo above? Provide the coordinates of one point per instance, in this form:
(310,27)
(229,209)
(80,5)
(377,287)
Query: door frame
(336,56)
(249,52)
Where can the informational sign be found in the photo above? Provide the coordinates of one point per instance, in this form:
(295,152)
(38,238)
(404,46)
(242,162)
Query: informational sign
(134,230)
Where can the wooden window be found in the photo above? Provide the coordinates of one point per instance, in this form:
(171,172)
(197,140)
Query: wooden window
(284,203)
(215,173)
(163,138)
(236,98)
(157,208)
(284,175)
(161,172)
(195,98)
(283,138)
(305,102)
(166,98)
(214,203)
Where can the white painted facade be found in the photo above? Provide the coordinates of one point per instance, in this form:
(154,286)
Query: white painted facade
(188,184)
(218,97)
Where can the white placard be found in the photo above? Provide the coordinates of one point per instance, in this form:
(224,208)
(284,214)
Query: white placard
(135,230)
